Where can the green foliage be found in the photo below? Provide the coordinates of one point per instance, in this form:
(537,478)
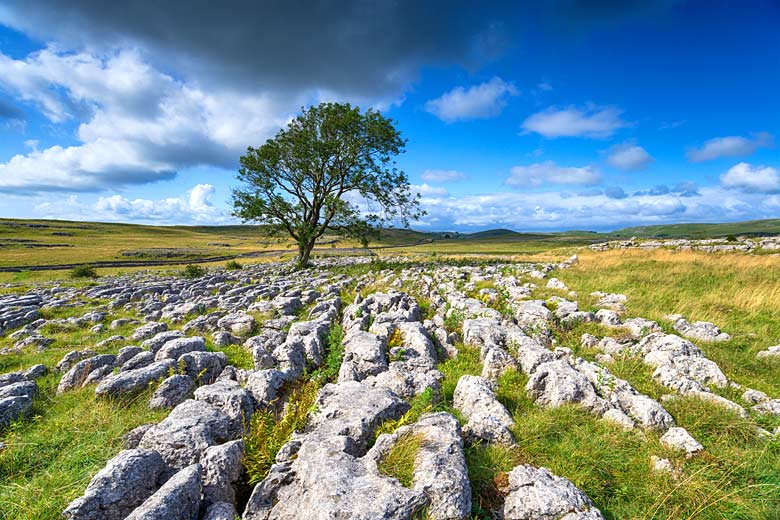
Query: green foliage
(193,271)
(295,183)
(83,271)
(731,238)
(420,404)
(335,355)
(399,462)
(50,457)
(453,321)
(466,362)
(269,431)
(233,265)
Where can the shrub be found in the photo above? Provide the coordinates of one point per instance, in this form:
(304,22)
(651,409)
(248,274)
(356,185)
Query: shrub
(193,271)
(83,271)
(233,266)
(731,238)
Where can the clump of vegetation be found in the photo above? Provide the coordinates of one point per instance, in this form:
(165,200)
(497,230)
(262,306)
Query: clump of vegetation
(399,462)
(233,266)
(421,404)
(83,271)
(396,339)
(269,431)
(466,362)
(193,271)
(335,348)
(731,238)
(453,321)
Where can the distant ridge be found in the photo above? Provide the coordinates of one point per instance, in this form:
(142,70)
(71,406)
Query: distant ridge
(748,227)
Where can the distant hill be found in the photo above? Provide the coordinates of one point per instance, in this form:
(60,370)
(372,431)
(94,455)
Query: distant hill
(749,227)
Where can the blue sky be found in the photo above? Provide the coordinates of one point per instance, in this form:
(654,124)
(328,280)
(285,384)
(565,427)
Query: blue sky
(555,115)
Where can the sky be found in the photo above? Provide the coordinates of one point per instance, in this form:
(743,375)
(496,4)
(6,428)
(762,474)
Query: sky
(534,116)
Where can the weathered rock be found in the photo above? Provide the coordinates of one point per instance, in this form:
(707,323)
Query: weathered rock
(238,323)
(156,342)
(177,499)
(679,439)
(22,388)
(325,479)
(147,330)
(136,380)
(537,494)
(140,360)
(72,358)
(173,391)
(556,382)
(122,485)
(183,436)
(203,367)
(236,402)
(221,470)
(264,385)
(364,355)
(125,354)
(175,348)
(76,376)
(700,330)
(488,419)
(221,511)
(12,408)
(440,470)
(131,439)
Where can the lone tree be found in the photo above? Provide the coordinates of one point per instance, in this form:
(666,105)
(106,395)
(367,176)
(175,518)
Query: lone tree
(331,169)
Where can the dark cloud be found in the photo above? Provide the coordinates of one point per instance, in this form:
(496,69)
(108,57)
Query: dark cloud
(350,47)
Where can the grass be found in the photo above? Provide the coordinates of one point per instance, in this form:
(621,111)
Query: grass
(739,293)
(270,430)
(51,458)
(399,462)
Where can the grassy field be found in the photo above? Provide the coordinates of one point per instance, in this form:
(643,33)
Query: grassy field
(70,437)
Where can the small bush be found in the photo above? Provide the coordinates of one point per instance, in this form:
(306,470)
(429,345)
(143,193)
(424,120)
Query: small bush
(731,238)
(83,271)
(193,271)
(233,266)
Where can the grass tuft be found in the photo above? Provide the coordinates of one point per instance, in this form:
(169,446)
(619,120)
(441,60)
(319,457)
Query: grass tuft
(399,462)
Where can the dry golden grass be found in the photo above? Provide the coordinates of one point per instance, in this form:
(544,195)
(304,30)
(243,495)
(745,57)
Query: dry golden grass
(740,293)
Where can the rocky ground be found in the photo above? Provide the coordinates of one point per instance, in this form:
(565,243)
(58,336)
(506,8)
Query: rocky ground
(370,345)
(708,245)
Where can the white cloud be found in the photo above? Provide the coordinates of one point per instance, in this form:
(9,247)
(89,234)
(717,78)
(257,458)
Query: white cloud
(749,178)
(478,102)
(139,124)
(442,176)
(427,190)
(591,121)
(194,207)
(629,157)
(550,173)
(731,146)
(549,210)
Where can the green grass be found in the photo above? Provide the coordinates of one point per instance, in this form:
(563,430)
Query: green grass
(270,430)
(51,458)
(399,462)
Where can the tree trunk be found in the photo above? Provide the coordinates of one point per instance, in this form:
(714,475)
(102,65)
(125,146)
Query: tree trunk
(304,252)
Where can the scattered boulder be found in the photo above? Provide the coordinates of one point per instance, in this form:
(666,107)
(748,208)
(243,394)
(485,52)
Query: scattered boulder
(122,485)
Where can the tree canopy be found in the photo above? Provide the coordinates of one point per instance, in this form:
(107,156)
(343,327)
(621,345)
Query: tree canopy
(331,169)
